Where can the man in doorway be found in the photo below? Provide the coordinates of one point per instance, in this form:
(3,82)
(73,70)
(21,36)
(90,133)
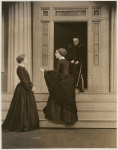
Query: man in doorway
(75,55)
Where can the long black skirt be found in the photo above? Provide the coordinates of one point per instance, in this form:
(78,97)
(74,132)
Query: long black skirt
(61,105)
(22,114)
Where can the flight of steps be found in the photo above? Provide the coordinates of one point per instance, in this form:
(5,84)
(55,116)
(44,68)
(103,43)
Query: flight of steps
(95,110)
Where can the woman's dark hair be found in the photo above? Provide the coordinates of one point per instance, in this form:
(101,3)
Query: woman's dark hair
(62,51)
(20,58)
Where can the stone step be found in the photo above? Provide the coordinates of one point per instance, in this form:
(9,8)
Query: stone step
(80,96)
(84,114)
(80,124)
(79,104)
(95,110)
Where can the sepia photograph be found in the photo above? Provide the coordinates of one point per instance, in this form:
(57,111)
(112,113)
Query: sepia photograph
(58,74)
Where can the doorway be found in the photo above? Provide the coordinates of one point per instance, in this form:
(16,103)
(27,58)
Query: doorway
(64,32)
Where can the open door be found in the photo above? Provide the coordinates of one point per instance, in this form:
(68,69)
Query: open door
(64,32)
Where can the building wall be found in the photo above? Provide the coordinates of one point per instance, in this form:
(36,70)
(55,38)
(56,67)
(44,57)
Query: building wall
(98,75)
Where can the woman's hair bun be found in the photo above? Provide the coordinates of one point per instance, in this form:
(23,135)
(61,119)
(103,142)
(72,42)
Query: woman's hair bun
(20,58)
(62,52)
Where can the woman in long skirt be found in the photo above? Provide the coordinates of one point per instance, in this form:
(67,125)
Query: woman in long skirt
(22,114)
(61,105)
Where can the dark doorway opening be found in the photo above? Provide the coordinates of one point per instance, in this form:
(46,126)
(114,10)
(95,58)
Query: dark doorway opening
(64,32)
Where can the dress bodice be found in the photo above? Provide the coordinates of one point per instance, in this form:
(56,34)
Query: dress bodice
(23,73)
(63,66)
(24,78)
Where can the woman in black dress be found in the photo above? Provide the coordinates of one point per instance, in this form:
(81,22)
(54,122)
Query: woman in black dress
(22,114)
(61,105)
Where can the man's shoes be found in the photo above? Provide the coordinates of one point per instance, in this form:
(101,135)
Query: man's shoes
(81,91)
(76,90)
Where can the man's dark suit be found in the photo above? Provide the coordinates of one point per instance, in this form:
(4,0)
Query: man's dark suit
(76,53)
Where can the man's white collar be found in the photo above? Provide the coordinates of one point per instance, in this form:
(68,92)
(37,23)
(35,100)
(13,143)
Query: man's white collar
(61,58)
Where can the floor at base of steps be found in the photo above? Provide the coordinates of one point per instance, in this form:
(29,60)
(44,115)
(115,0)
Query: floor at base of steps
(60,138)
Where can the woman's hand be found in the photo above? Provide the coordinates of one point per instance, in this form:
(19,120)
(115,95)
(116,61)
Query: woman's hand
(41,69)
(33,89)
(72,61)
(77,62)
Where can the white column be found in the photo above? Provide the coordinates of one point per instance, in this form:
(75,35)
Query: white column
(25,28)
(2,56)
(11,49)
(112,52)
(20,28)
(16,40)
(19,39)
(115,50)
(29,44)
